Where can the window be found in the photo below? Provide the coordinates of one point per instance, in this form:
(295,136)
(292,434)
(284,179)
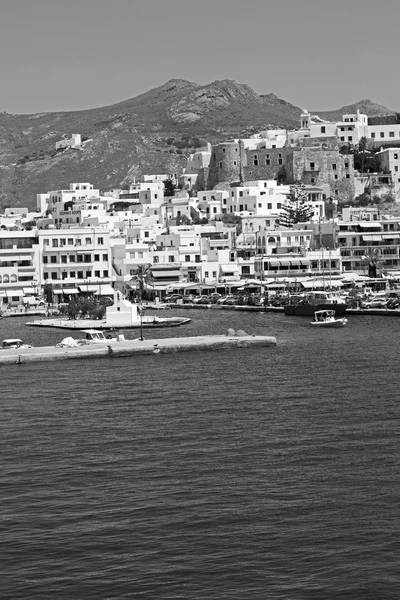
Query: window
(347,176)
(396,168)
(72,274)
(97,273)
(54,243)
(72,258)
(382,134)
(334,166)
(220,164)
(342,139)
(88,241)
(234,163)
(64,275)
(350,138)
(223,149)
(336,176)
(45,260)
(105,256)
(80,274)
(312,166)
(267,162)
(187,257)
(206,274)
(105,273)
(54,275)
(395,156)
(100,241)
(171,259)
(323,129)
(372,134)
(97,257)
(269,205)
(53,259)
(346,165)
(62,242)
(312,179)
(280,161)
(279,205)
(70,242)
(63,258)
(241,194)
(255,162)
(80,258)
(78,242)
(147,234)
(391,133)
(88,274)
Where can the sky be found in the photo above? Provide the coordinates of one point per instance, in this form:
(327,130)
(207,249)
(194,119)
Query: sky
(64,55)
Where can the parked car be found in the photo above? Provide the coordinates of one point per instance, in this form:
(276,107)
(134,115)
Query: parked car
(188,298)
(375,303)
(393,303)
(202,300)
(173,298)
(215,297)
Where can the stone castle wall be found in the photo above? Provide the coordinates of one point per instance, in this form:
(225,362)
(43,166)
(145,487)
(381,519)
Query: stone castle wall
(227,162)
(322,165)
(315,162)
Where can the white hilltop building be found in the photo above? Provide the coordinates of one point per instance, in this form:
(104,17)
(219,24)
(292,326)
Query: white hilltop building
(73,142)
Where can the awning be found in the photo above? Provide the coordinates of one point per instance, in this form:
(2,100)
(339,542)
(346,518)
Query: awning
(287,262)
(3,294)
(371,238)
(105,290)
(320,284)
(89,287)
(369,225)
(57,291)
(15,293)
(70,291)
(28,291)
(273,262)
(8,258)
(231,268)
(391,236)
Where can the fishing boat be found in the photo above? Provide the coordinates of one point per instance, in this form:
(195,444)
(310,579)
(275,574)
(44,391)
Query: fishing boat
(306,305)
(327,318)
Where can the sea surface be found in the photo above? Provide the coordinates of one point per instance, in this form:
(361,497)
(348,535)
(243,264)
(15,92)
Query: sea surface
(265,473)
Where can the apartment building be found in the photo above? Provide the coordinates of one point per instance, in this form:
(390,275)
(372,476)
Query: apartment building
(76,260)
(19,265)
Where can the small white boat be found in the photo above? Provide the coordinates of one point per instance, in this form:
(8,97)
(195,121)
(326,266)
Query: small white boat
(13,344)
(93,336)
(327,318)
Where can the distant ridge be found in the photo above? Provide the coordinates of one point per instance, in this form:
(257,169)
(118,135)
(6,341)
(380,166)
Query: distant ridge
(150,133)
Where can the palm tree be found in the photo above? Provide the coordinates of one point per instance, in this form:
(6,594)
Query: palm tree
(143,277)
(373,260)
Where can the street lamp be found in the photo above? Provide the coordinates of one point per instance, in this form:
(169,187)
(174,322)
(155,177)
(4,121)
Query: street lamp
(141,319)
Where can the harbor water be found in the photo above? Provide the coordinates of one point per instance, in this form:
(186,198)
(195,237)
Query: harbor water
(266,473)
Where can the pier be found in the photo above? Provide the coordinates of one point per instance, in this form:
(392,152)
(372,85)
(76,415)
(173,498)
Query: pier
(115,349)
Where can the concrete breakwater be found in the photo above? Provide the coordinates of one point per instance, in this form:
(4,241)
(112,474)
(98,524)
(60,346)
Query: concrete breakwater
(131,347)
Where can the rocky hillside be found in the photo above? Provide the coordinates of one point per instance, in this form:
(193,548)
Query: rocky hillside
(150,133)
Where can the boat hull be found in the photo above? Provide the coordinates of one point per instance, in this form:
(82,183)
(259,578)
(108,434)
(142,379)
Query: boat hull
(336,323)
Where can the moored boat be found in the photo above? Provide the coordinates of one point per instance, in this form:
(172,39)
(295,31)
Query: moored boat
(327,318)
(308,304)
